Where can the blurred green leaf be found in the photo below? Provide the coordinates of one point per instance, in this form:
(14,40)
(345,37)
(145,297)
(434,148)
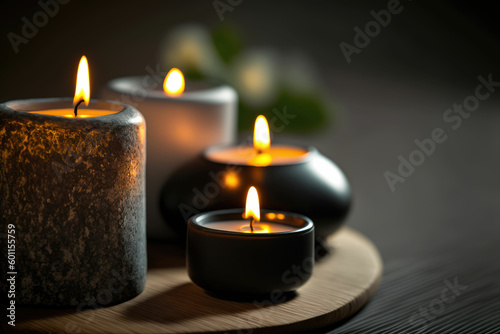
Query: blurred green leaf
(289,89)
(193,74)
(227,42)
(308,111)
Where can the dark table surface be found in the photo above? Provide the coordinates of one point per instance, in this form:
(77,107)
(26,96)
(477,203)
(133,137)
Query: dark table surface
(440,228)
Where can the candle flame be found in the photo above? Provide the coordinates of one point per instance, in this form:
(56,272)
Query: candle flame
(174,82)
(252,207)
(82,91)
(261,137)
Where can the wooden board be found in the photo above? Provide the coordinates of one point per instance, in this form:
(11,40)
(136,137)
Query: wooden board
(341,283)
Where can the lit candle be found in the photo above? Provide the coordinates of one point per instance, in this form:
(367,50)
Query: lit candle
(73,191)
(234,251)
(262,153)
(183,118)
(82,94)
(254,225)
(291,178)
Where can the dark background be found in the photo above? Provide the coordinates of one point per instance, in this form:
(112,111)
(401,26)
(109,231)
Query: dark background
(446,43)
(441,224)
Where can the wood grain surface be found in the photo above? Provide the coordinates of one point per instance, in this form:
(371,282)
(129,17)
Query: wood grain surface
(342,282)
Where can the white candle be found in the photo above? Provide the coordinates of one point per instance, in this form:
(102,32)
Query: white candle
(179,127)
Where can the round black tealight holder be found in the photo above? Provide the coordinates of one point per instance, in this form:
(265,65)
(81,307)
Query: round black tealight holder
(229,261)
(313,186)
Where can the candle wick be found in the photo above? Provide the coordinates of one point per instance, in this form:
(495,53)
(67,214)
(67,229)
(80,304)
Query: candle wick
(259,151)
(76,106)
(251,224)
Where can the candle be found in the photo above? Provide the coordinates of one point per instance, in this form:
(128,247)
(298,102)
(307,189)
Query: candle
(255,225)
(291,178)
(181,123)
(85,113)
(234,251)
(82,94)
(261,154)
(237,226)
(72,181)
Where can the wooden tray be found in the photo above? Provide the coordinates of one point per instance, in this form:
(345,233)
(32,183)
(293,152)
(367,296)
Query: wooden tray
(341,283)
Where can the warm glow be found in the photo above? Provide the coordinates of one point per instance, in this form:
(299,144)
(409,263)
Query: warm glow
(271,216)
(69,113)
(262,159)
(252,208)
(82,91)
(247,155)
(259,228)
(261,137)
(174,82)
(231,180)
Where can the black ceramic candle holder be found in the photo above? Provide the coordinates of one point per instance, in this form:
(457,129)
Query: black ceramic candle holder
(313,186)
(237,263)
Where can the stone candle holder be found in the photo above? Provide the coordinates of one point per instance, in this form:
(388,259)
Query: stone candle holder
(73,196)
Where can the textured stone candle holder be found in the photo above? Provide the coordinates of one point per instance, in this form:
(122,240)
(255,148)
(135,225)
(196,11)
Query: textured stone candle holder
(73,192)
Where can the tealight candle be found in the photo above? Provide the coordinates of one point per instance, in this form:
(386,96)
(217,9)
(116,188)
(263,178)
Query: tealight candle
(73,188)
(183,118)
(261,154)
(258,228)
(249,251)
(290,178)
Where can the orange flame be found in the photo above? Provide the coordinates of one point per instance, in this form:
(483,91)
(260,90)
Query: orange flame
(261,137)
(82,91)
(252,207)
(174,82)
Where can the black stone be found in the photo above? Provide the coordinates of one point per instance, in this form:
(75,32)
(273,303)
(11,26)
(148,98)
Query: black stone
(315,188)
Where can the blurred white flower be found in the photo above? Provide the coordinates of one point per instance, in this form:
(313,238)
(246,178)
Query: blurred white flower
(255,75)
